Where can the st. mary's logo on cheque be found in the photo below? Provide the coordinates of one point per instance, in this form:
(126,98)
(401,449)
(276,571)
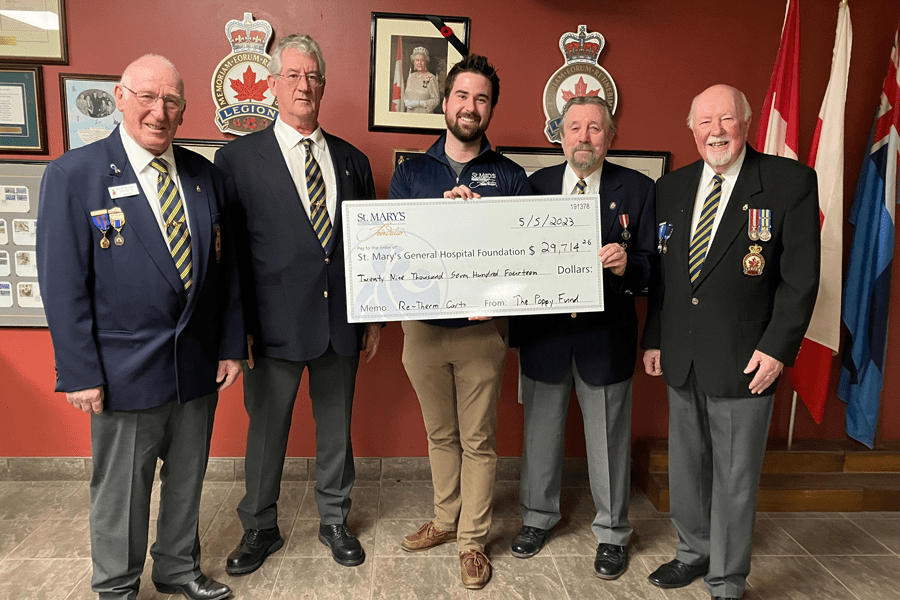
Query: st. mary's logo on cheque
(580,76)
(239,84)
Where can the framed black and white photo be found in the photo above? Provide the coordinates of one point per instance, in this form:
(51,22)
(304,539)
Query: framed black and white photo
(88,108)
(410,58)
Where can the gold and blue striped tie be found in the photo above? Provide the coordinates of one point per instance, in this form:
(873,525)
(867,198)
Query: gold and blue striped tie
(580,187)
(318,212)
(700,243)
(177,234)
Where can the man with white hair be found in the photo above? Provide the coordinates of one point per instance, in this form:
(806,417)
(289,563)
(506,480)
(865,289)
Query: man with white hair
(738,241)
(139,278)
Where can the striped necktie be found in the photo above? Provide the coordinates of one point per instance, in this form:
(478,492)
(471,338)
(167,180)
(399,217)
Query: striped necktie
(177,234)
(700,243)
(318,212)
(580,186)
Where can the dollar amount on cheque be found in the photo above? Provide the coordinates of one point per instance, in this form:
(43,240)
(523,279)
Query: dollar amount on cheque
(435,259)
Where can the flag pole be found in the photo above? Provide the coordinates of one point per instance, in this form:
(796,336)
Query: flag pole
(791,426)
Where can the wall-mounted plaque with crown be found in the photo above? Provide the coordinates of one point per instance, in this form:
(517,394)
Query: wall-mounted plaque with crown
(581,75)
(239,87)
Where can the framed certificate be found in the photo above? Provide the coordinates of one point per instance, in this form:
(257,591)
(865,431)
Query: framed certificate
(23,125)
(88,108)
(405,96)
(33,31)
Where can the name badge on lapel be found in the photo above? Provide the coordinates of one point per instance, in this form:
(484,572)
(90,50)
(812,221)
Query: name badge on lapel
(123,191)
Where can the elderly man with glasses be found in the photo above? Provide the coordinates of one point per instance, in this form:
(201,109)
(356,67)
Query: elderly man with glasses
(289,181)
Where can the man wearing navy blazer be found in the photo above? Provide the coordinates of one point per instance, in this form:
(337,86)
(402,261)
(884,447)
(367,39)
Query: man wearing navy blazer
(592,352)
(290,181)
(140,286)
(739,245)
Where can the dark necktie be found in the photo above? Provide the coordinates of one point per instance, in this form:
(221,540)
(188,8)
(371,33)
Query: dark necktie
(177,234)
(318,212)
(700,243)
(580,186)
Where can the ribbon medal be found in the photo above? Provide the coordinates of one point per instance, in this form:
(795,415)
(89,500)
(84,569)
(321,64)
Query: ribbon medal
(663,233)
(623,219)
(765,224)
(117,219)
(754,263)
(101,220)
(753,225)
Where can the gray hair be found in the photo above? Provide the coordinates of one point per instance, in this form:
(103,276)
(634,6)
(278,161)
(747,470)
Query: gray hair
(301,43)
(420,51)
(601,103)
(748,112)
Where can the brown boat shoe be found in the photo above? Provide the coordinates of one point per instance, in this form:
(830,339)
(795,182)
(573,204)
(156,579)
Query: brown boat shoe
(475,569)
(428,536)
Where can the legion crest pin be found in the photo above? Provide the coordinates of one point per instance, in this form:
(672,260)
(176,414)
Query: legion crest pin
(581,75)
(240,88)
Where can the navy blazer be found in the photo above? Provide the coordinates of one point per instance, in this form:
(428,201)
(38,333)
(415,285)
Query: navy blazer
(119,317)
(716,324)
(604,344)
(295,299)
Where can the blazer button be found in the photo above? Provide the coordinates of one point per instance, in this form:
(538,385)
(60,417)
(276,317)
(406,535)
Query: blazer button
(574,315)
(694,301)
(327,261)
(326,293)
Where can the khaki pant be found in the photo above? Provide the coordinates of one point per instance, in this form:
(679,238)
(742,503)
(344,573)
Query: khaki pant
(457,374)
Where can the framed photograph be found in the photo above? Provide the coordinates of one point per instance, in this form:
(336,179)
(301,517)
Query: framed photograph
(33,31)
(206,148)
(88,108)
(20,295)
(402,155)
(652,164)
(23,124)
(409,63)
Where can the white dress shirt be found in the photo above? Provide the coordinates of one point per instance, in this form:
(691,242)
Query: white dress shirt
(592,182)
(140,160)
(289,140)
(706,185)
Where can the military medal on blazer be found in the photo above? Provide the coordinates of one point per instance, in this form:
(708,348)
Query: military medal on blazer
(754,263)
(240,88)
(626,235)
(101,220)
(581,75)
(663,233)
(759,227)
(117,220)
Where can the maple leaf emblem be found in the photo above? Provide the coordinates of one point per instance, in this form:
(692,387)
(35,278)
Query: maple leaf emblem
(581,89)
(249,88)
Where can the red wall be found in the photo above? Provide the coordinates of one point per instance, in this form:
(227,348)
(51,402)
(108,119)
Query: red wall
(660,54)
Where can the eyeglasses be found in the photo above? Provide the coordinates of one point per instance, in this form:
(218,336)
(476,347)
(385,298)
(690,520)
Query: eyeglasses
(148,100)
(292,78)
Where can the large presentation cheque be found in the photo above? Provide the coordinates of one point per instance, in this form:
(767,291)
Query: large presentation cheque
(437,259)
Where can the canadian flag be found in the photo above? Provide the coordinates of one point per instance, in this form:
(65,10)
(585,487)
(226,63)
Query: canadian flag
(778,131)
(812,370)
(397,90)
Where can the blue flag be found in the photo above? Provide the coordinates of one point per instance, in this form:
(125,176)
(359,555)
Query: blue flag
(868,286)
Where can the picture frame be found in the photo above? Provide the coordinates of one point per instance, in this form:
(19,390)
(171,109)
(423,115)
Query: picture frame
(21,304)
(651,163)
(34,31)
(401,155)
(23,123)
(206,148)
(88,108)
(394,37)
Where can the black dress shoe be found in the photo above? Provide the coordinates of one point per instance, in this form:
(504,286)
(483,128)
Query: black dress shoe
(345,549)
(529,541)
(251,553)
(676,574)
(202,588)
(611,561)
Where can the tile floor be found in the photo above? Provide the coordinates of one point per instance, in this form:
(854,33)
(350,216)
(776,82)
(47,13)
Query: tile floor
(45,553)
